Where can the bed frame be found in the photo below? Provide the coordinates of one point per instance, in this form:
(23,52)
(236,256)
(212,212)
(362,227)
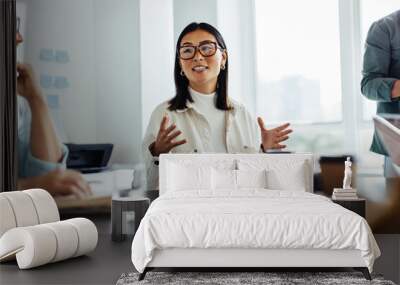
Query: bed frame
(249,258)
(245,259)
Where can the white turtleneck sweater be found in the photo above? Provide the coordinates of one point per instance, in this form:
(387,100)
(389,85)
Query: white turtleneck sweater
(205,104)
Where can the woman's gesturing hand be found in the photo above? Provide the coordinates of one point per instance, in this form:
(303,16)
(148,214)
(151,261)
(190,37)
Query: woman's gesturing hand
(271,139)
(165,138)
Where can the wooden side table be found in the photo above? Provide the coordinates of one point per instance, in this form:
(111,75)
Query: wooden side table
(126,214)
(356,205)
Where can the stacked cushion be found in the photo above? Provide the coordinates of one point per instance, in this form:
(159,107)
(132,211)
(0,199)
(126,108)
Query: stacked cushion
(26,208)
(41,244)
(31,231)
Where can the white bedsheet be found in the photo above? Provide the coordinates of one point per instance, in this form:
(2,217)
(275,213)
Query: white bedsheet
(250,218)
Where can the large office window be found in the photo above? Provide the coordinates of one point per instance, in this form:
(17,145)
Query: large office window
(298,69)
(309,69)
(299,62)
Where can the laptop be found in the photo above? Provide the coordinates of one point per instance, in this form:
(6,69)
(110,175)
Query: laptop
(388,129)
(88,158)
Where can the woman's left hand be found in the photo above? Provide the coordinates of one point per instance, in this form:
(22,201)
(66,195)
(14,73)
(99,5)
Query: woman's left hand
(271,139)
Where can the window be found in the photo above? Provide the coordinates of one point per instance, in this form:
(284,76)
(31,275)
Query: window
(309,71)
(298,68)
(299,62)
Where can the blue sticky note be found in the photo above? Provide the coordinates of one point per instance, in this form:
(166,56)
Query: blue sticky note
(46,81)
(61,82)
(53,101)
(62,56)
(46,54)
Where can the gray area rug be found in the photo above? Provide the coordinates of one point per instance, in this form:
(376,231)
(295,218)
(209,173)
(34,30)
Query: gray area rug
(229,278)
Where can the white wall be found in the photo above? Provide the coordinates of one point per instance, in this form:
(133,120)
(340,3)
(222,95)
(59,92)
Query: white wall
(187,11)
(46,28)
(117,73)
(157,55)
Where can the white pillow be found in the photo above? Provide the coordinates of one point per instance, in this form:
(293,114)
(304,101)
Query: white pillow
(288,177)
(223,179)
(251,178)
(237,179)
(188,177)
(286,174)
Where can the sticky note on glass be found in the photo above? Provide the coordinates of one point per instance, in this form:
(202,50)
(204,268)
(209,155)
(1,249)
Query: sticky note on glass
(53,101)
(46,54)
(60,82)
(62,56)
(46,81)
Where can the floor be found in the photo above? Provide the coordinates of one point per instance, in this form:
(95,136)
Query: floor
(111,259)
(103,266)
(389,262)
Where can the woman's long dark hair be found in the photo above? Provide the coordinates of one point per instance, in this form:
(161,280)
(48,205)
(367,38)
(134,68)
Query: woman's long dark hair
(182,83)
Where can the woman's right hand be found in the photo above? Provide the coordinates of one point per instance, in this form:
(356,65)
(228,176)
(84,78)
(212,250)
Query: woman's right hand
(58,182)
(164,141)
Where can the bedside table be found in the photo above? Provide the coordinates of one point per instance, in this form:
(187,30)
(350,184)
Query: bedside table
(356,205)
(126,214)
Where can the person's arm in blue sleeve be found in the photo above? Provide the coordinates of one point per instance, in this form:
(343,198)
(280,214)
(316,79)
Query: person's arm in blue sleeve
(41,156)
(35,167)
(29,164)
(376,83)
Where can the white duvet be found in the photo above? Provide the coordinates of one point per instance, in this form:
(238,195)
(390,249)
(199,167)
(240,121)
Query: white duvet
(252,218)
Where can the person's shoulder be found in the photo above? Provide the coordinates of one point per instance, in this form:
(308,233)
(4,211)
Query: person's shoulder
(237,105)
(161,108)
(393,17)
(23,108)
(22,102)
(240,110)
(389,23)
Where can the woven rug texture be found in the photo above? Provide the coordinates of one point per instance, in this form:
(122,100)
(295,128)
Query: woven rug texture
(243,278)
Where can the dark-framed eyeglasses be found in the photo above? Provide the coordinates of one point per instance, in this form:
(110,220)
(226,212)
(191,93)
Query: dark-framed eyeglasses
(18,24)
(206,49)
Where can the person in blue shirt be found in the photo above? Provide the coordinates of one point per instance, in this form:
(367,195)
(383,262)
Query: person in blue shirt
(41,156)
(381,75)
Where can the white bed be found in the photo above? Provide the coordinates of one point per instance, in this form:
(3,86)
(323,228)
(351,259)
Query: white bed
(267,218)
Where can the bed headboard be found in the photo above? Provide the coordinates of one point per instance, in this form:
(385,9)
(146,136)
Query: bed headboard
(286,163)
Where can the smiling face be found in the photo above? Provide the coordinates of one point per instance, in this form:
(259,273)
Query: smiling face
(202,71)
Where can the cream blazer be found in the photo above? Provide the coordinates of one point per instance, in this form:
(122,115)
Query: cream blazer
(242,134)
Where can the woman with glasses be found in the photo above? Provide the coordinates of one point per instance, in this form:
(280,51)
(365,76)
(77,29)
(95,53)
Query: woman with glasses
(201,118)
